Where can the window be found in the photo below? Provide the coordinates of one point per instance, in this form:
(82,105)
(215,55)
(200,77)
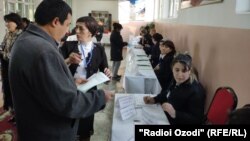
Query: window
(168,8)
(174,7)
(25,8)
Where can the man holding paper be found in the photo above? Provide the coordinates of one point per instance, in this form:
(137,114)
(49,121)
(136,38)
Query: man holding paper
(85,58)
(46,100)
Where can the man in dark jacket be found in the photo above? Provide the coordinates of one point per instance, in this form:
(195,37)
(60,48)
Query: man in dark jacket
(46,100)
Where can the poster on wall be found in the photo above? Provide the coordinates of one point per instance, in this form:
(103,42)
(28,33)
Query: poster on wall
(132,10)
(137,9)
(192,3)
(104,17)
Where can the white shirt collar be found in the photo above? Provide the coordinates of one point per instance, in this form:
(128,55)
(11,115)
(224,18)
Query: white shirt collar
(87,46)
(162,56)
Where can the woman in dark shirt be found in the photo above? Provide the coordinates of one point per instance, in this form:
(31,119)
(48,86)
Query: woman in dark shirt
(84,59)
(146,40)
(184,101)
(163,68)
(117,45)
(155,49)
(13,23)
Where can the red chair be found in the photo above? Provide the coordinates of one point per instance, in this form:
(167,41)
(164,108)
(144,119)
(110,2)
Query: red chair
(224,102)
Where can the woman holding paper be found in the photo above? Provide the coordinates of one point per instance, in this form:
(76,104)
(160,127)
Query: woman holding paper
(84,59)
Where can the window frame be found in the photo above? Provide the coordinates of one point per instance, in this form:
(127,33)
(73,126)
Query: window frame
(19,6)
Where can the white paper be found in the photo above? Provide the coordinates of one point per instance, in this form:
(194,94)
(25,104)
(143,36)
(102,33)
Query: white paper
(93,80)
(142,58)
(72,38)
(148,73)
(139,102)
(144,67)
(125,101)
(141,55)
(143,63)
(139,51)
(127,112)
(147,117)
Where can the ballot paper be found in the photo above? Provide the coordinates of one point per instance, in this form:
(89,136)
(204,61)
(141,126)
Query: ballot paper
(128,112)
(142,58)
(93,80)
(144,67)
(125,101)
(139,102)
(126,106)
(143,63)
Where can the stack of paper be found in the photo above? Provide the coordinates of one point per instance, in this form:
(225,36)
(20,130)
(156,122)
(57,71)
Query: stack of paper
(142,58)
(143,63)
(147,72)
(127,108)
(144,67)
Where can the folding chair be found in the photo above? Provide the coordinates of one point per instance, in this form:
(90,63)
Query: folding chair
(240,116)
(224,102)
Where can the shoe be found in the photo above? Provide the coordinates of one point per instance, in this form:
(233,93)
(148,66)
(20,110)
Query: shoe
(117,78)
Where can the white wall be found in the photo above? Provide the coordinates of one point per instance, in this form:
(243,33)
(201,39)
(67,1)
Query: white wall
(83,7)
(218,14)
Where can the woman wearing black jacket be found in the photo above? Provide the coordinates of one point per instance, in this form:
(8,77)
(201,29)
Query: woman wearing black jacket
(163,69)
(184,100)
(13,23)
(117,45)
(155,49)
(85,58)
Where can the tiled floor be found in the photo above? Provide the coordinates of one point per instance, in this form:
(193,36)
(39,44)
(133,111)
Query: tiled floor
(103,119)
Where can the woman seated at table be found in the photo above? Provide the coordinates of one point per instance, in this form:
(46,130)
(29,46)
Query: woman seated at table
(146,40)
(183,102)
(155,49)
(163,69)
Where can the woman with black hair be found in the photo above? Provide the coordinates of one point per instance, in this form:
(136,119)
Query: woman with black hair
(25,22)
(155,49)
(163,68)
(146,40)
(84,59)
(117,45)
(183,102)
(13,23)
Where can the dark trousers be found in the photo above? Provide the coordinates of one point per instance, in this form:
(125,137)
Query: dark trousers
(7,96)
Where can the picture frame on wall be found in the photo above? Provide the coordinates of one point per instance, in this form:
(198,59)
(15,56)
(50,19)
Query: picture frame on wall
(194,3)
(105,17)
